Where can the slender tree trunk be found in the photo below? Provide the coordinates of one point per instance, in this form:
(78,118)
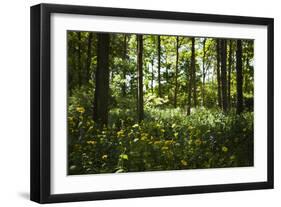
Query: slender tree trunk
(189,78)
(204,72)
(111,46)
(125,65)
(167,71)
(89,58)
(100,111)
(176,74)
(218,72)
(193,71)
(159,67)
(246,76)
(229,73)
(223,75)
(79,62)
(140,77)
(239,77)
(152,75)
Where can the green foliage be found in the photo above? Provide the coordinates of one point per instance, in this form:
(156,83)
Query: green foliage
(166,140)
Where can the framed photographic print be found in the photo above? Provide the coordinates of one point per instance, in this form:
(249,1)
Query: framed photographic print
(132,103)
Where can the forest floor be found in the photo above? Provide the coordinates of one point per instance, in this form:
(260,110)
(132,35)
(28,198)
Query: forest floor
(167,139)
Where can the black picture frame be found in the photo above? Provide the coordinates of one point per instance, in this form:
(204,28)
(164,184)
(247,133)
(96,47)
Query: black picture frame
(41,96)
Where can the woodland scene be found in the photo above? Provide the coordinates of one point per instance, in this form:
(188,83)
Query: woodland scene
(141,102)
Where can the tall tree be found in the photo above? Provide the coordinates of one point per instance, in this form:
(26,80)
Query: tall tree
(89,58)
(152,74)
(229,73)
(203,72)
(159,67)
(189,84)
(176,72)
(218,72)
(239,77)
(140,77)
(79,61)
(124,65)
(223,75)
(100,110)
(193,76)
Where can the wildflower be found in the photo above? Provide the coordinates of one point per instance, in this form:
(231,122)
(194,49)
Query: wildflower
(183,162)
(80,109)
(168,142)
(104,157)
(157,142)
(232,157)
(224,149)
(91,142)
(135,126)
(120,133)
(198,142)
(144,136)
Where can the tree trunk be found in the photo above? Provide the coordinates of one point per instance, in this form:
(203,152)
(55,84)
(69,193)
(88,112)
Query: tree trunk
(246,76)
(100,111)
(204,72)
(223,75)
(140,77)
(229,73)
(167,71)
(193,71)
(218,72)
(159,67)
(79,62)
(89,58)
(189,78)
(176,73)
(239,77)
(124,66)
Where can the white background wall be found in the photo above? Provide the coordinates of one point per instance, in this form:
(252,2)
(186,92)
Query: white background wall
(14,101)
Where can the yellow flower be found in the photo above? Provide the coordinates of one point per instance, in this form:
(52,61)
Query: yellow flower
(224,149)
(104,157)
(80,109)
(183,162)
(157,142)
(198,142)
(168,142)
(144,136)
(91,142)
(120,133)
(135,126)
(232,157)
